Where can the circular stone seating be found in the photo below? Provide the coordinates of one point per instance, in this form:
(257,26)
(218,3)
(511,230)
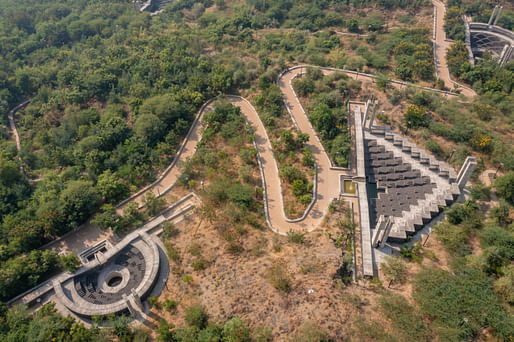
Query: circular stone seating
(116,282)
(92,282)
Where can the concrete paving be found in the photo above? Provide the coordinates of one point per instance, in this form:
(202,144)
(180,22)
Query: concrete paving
(441,45)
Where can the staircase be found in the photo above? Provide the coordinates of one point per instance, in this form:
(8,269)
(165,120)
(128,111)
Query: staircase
(443,178)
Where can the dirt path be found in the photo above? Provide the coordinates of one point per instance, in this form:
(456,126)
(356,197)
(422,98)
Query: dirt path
(485,178)
(441,46)
(170,176)
(13,126)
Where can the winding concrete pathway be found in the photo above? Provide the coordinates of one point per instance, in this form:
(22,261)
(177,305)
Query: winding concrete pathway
(328,177)
(441,46)
(13,126)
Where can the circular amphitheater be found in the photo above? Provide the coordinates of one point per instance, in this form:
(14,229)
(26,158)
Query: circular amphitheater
(493,39)
(114,282)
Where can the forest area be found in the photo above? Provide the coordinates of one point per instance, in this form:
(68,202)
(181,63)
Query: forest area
(113,92)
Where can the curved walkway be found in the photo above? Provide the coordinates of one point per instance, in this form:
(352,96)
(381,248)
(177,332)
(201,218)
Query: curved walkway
(13,126)
(441,46)
(328,176)
(327,185)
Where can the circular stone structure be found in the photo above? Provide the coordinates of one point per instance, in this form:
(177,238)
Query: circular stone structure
(494,39)
(117,282)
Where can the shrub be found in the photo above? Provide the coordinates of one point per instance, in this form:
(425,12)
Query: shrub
(504,286)
(479,192)
(352,25)
(452,237)
(170,305)
(312,332)
(457,56)
(481,142)
(499,238)
(296,237)
(500,214)
(453,25)
(248,155)
(305,199)
(154,302)
(164,331)
(291,173)
(307,159)
(241,194)
(172,252)
(299,188)
(279,278)
(236,330)
(485,112)
(195,316)
(198,264)
(433,147)
(505,187)
(195,249)
(69,262)
(169,230)
(406,320)
(467,212)
(304,86)
(394,270)
(416,117)
(465,306)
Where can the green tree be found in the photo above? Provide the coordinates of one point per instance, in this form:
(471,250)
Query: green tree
(111,187)
(79,200)
(69,262)
(394,270)
(457,57)
(153,204)
(196,316)
(149,128)
(107,218)
(353,25)
(236,330)
(504,186)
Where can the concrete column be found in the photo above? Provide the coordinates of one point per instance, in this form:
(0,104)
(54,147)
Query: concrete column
(465,172)
(133,312)
(137,300)
(368,103)
(378,231)
(471,58)
(382,231)
(508,54)
(387,230)
(492,15)
(373,115)
(502,55)
(498,15)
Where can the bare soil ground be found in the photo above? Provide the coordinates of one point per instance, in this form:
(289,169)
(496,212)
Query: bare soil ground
(238,284)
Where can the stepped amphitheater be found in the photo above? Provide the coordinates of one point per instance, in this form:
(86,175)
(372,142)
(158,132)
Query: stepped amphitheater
(153,6)
(481,38)
(113,282)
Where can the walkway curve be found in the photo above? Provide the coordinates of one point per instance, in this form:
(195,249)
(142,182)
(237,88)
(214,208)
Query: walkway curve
(441,46)
(328,177)
(13,126)
(327,180)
